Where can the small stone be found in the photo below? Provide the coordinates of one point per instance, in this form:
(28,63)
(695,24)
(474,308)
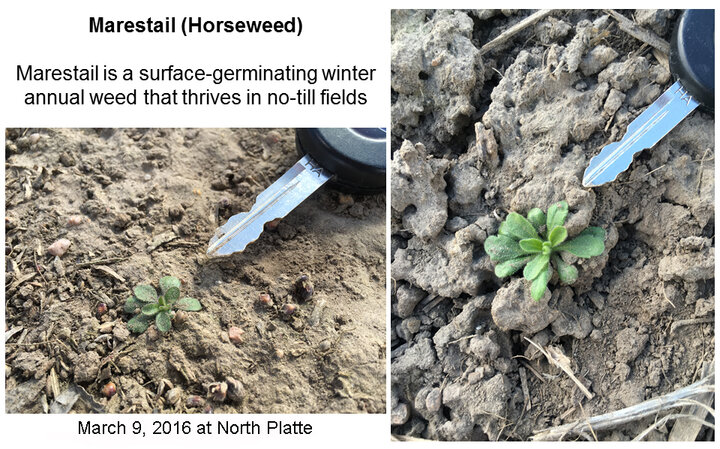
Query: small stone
(400,414)
(180,317)
(194,401)
(121,332)
(101,309)
(236,390)
(279,353)
(59,247)
(235,334)
(303,288)
(109,390)
(106,328)
(87,366)
(34,138)
(289,309)
(272,225)
(75,220)
(173,396)
(433,401)
(152,334)
(217,391)
(264,299)
(324,346)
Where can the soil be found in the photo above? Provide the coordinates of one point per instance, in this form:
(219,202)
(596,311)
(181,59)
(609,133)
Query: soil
(147,202)
(476,136)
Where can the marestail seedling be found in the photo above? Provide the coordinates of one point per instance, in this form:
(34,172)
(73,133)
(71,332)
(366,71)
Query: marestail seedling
(536,242)
(151,307)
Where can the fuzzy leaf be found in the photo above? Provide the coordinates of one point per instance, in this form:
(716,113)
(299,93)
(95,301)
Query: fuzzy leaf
(589,243)
(556,215)
(172,295)
(145,293)
(537,265)
(501,248)
(162,321)
(557,235)
(139,324)
(167,282)
(519,227)
(189,304)
(537,218)
(568,274)
(131,304)
(531,245)
(150,309)
(509,267)
(537,289)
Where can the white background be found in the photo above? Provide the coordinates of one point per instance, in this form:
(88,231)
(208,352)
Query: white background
(55,33)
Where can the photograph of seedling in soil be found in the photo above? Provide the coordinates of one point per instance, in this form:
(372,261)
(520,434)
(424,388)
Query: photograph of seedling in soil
(526,306)
(113,305)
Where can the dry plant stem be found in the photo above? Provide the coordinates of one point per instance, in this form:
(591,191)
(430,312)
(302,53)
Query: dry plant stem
(566,369)
(513,30)
(650,407)
(667,418)
(688,429)
(640,33)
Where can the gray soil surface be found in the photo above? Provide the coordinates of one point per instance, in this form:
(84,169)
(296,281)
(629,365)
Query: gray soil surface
(149,201)
(477,136)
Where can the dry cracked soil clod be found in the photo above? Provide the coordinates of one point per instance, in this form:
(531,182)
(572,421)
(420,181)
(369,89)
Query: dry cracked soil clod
(477,135)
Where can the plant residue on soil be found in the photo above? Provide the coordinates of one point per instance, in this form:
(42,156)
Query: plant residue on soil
(479,134)
(140,204)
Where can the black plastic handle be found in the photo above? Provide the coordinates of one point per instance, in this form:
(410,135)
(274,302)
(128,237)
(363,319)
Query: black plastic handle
(355,156)
(692,54)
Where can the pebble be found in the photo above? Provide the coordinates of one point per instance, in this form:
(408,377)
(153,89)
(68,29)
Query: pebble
(109,390)
(236,390)
(106,328)
(195,401)
(289,309)
(433,401)
(400,414)
(218,391)
(75,220)
(235,334)
(121,332)
(324,346)
(59,247)
(173,395)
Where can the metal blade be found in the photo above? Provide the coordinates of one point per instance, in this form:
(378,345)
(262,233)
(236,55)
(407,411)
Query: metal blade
(644,132)
(284,195)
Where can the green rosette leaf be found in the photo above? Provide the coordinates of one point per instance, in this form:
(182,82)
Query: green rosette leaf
(131,305)
(519,227)
(557,235)
(167,282)
(510,267)
(172,295)
(188,304)
(501,248)
(139,323)
(589,243)
(145,293)
(163,321)
(535,266)
(531,245)
(567,273)
(556,215)
(537,218)
(539,284)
